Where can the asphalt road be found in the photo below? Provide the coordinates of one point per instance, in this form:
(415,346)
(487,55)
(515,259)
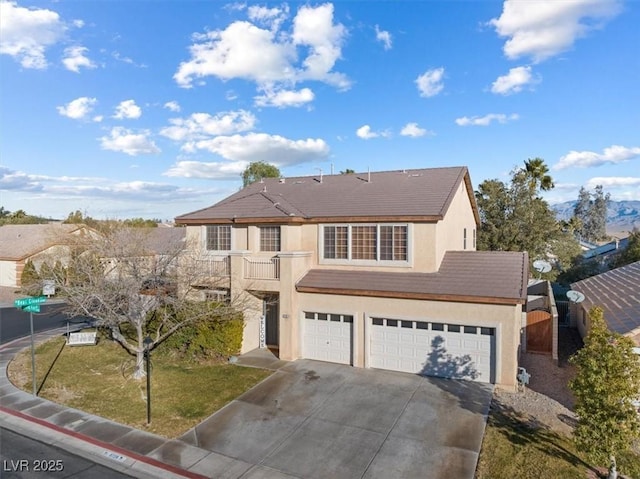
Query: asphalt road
(14,323)
(23,458)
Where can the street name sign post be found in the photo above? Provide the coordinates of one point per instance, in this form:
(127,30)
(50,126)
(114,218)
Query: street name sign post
(31,305)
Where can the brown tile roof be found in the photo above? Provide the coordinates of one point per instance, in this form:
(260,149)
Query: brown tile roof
(424,193)
(617,292)
(18,242)
(497,277)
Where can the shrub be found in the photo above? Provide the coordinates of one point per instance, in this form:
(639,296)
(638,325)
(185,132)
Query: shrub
(216,336)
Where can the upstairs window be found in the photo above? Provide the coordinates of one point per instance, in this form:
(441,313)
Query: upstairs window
(336,242)
(366,242)
(218,238)
(393,243)
(269,238)
(464,239)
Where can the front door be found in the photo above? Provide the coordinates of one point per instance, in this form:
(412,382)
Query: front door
(272,314)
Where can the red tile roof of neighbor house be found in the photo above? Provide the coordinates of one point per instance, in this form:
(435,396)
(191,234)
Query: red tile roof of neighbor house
(495,277)
(420,195)
(617,292)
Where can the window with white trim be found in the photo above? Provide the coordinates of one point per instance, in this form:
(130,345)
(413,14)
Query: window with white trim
(269,238)
(218,237)
(464,239)
(336,242)
(369,242)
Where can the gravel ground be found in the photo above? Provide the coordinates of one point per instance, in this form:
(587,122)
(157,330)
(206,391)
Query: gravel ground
(547,400)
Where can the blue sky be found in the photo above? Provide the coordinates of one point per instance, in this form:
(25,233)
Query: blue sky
(153,108)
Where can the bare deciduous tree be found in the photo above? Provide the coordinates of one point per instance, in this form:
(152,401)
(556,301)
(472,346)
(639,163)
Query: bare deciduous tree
(137,283)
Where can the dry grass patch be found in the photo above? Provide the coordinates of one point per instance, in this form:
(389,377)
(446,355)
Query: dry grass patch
(97,379)
(516,447)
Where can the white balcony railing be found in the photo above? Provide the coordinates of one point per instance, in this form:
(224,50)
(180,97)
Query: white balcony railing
(217,266)
(262,268)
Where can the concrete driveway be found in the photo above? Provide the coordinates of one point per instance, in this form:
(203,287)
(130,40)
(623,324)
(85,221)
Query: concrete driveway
(320,420)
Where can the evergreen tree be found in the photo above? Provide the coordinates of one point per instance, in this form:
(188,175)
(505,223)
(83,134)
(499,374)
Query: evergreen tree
(581,211)
(514,217)
(29,279)
(591,211)
(258,170)
(606,384)
(598,214)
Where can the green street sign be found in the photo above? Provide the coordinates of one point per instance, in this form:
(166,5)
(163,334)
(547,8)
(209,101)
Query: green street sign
(21,303)
(31,308)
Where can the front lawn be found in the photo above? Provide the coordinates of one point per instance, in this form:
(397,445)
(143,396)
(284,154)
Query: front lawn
(97,379)
(514,448)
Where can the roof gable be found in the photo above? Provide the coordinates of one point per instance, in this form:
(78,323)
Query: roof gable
(424,193)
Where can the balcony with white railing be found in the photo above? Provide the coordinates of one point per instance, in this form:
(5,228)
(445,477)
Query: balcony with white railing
(262,268)
(217,266)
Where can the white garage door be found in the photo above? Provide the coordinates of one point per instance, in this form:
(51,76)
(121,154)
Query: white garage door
(433,349)
(328,337)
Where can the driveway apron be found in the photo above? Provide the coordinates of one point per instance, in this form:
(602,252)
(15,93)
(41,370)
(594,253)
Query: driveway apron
(316,420)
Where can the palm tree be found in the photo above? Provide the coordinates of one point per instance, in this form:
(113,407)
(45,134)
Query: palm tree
(536,171)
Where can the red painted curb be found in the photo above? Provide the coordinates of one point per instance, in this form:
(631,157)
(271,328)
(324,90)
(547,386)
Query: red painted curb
(111,447)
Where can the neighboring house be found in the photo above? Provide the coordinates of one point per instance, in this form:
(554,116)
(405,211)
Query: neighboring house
(374,270)
(617,292)
(37,243)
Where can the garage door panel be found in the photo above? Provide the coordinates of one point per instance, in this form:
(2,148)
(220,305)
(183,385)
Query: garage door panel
(328,340)
(448,351)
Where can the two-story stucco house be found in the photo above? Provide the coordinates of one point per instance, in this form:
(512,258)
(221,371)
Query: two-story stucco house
(376,270)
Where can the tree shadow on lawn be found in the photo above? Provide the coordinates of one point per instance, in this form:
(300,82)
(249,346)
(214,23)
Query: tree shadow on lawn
(526,431)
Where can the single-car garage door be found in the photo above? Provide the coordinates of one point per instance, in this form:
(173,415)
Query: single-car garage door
(328,337)
(433,349)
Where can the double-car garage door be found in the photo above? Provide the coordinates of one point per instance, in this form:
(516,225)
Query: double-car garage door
(421,347)
(433,349)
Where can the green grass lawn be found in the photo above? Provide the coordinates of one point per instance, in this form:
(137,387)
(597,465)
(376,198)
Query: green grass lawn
(97,379)
(515,449)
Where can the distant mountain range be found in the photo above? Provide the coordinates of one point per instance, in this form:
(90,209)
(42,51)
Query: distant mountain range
(622,216)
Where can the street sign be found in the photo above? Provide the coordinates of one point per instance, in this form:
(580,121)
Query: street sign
(31,308)
(21,303)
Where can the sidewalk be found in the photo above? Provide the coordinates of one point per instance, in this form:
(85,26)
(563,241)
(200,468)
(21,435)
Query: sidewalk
(105,442)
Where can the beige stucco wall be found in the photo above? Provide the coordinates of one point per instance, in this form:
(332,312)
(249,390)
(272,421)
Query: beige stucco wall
(8,276)
(506,319)
(450,230)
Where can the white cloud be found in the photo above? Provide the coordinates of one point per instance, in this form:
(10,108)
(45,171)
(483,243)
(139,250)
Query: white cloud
(543,29)
(486,120)
(414,131)
(583,159)
(27,33)
(384,37)
(209,170)
(201,126)
(284,98)
(513,82)
(78,109)
(430,82)
(74,58)
(365,132)
(615,182)
(174,106)
(263,147)
(269,57)
(127,109)
(271,17)
(126,141)
(11,180)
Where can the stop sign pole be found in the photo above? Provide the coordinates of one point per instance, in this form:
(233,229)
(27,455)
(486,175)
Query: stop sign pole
(31,305)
